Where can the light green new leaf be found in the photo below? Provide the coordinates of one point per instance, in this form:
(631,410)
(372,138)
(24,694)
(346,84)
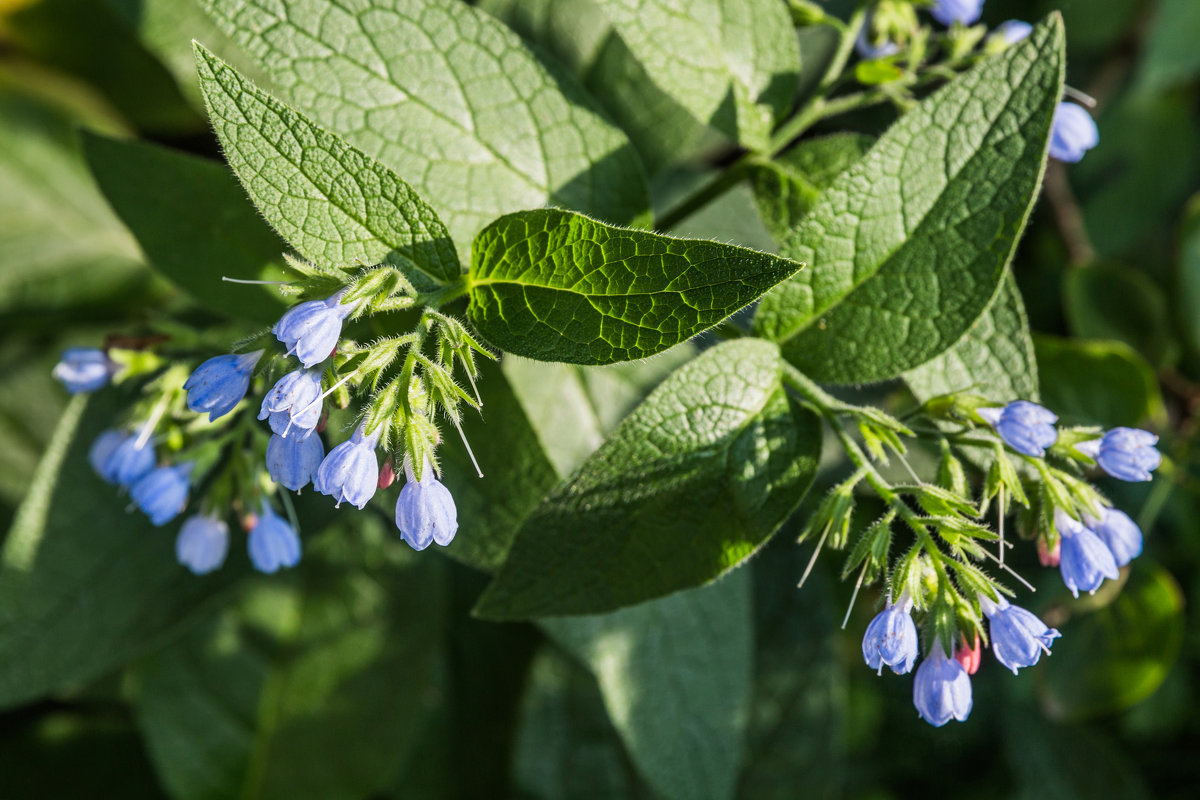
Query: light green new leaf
(446,96)
(687,487)
(557,286)
(334,204)
(909,245)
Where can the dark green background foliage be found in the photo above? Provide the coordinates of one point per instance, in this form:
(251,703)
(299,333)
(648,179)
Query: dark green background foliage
(371,671)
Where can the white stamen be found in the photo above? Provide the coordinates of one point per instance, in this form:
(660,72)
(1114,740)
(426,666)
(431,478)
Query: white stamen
(148,426)
(467,445)
(812,561)
(853,597)
(228,279)
(1082,97)
(1000,520)
(319,398)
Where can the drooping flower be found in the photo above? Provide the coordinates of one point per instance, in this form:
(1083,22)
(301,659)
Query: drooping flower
(941,689)
(1018,637)
(425,510)
(292,405)
(965,12)
(202,543)
(350,472)
(1086,561)
(1024,426)
(101,451)
(1074,132)
(891,638)
(1013,31)
(311,330)
(84,369)
(220,383)
(1120,534)
(293,462)
(273,544)
(1124,453)
(130,460)
(162,493)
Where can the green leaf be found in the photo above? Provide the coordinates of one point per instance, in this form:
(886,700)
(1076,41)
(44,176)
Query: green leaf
(909,245)
(994,359)
(1121,304)
(446,96)
(194,223)
(334,204)
(1171,56)
(1186,298)
(683,663)
(1098,383)
(557,286)
(691,483)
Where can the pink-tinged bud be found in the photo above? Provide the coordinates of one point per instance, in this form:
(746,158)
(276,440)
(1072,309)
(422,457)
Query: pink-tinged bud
(249,521)
(969,656)
(321,422)
(333,352)
(1048,557)
(387,475)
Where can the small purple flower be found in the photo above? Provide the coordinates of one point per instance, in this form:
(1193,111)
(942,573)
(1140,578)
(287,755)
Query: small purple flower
(965,12)
(128,461)
(293,462)
(350,472)
(1085,561)
(311,330)
(942,689)
(162,493)
(84,369)
(1125,453)
(891,638)
(202,544)
(425,510)
(220,383)
(1018,637)
(1120,534)
(1074,132)
(272,543)
(869,46)
(1024,426)
(101,451)
(1013,31)
(293,403)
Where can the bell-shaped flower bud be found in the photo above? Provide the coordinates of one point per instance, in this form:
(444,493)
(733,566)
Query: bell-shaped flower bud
(350,472)
(1018,637)
(1013,31)
(1074,132)
(891,638)
(964,12)
(1024,426)
(1127,454)
(202,544)
(101,451)
(272,544)
(1120,534)
(311,330)
(293,462)
(1086,561)
(293,405)
(220,383)
(942,689)
(162,493)
(425,510)
(129,461)
(84,369)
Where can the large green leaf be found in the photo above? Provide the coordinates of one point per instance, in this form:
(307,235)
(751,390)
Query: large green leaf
(1098,383)
(558,286)
(446,96)
(687,487)
(675,674)
(333,203)
(1171,55)
(193,222)
(1121,304)
(908,246)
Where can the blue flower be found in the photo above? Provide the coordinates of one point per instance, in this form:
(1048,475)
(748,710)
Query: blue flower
(948,12)
(942,689)
(1018,636)
(1125,453)
(101,451)
(891,638)
(311,330)
(869,46)
(202,544)
(84,369)
(293,403)
(1085,560)
(162,493)
(350,472)
(1024,426)
(1120,534)
(1073,134)
(1013,31)
(220,383)
(293,462)
(128,462)
(273,544)
(425,510)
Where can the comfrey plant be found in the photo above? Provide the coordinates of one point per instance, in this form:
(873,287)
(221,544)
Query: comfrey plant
(892,263)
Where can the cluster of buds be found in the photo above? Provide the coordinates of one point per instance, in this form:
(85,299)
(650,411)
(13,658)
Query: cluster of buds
(404,383)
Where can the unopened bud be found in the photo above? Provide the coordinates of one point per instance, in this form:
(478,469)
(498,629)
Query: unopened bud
(968,655)
(1047,555)
(387,475)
